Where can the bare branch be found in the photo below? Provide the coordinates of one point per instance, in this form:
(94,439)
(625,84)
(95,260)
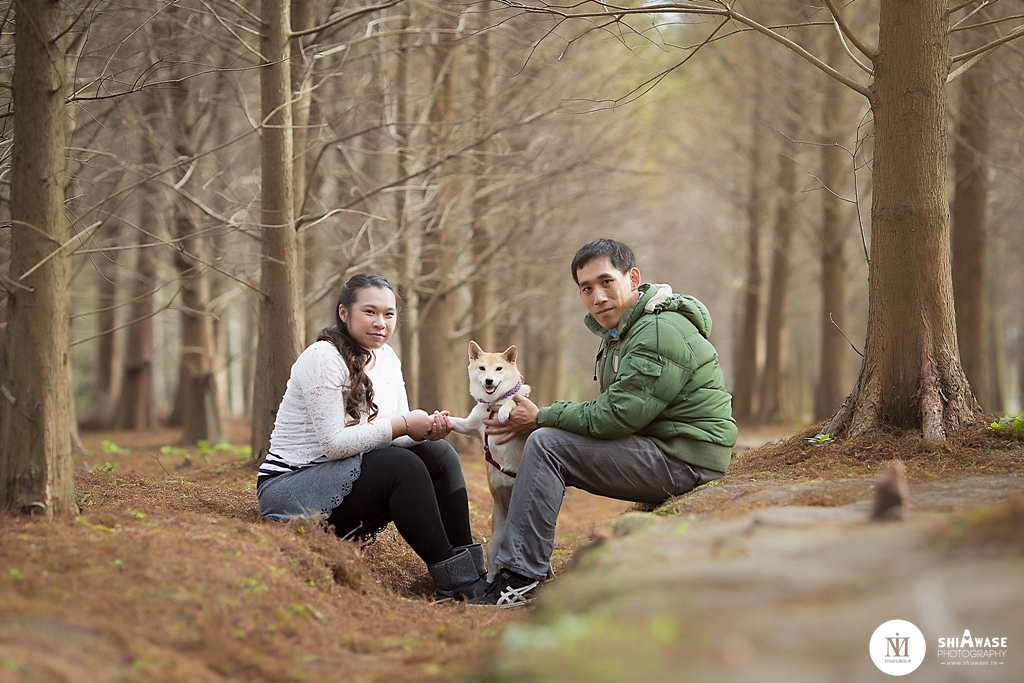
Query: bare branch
(345,18)
(960,70)
(844,30)
(129,323)
(962,5)
(849,53)
(84,234)
(721,10)
(982,24)
(1012,35)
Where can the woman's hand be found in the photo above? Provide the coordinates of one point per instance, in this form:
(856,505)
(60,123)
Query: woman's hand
(415,424)
(442,426)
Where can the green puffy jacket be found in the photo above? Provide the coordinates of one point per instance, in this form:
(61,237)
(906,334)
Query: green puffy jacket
(659,378)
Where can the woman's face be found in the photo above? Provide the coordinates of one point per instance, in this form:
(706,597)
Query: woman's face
(371,319)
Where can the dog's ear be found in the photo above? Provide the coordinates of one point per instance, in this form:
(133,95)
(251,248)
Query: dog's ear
(510,354)
(474,350)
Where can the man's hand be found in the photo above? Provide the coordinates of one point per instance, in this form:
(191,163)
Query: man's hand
(521,421)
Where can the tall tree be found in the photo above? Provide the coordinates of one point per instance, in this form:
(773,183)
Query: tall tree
(280,324)
(911,376)
(137,399)
(135,405)
(833,378)
(36,470)
(746,380)
(971,169)
(480,233)
(196,408)
(437,390)
(100,411)
(773,382)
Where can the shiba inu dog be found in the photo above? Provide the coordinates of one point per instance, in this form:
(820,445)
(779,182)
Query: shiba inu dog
(493,380)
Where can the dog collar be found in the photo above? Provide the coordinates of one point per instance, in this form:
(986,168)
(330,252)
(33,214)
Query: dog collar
(508,394)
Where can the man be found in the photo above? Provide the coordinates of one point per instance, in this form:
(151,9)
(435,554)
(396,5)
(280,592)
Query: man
(661,425)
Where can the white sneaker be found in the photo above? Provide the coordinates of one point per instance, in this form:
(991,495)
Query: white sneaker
(508,590)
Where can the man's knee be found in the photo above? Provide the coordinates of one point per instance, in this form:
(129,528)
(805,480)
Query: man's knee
(543,438)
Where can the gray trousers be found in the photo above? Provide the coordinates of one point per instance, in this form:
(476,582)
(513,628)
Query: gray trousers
(630,469)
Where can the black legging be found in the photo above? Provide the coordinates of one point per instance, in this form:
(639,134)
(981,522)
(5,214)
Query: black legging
(421,489)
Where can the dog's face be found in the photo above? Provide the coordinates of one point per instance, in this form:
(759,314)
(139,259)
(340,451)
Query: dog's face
(491,374)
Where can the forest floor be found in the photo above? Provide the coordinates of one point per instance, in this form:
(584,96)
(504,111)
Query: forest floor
(168,573)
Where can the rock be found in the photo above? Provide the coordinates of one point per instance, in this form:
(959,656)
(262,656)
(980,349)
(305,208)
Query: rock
(892,494)
(787,594)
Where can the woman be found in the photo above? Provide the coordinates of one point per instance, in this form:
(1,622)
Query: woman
(345,443)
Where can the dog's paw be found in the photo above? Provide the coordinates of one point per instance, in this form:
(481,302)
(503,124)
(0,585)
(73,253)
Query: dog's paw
(505,411)
(525,391)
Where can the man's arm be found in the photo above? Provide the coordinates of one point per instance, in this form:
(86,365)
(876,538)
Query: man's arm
(644,385)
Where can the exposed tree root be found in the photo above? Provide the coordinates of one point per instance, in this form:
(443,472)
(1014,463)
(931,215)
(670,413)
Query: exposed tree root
(945,401)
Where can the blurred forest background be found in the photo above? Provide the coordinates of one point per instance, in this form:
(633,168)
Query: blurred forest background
(465,151)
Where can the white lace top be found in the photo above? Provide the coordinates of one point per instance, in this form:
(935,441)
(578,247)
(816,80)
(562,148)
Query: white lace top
(311,421)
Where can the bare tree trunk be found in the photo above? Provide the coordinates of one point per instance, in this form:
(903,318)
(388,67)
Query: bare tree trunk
(1020,372)
(542,360)
(483,284)
(832,371)
(437,389)
(911,376)
(303,14)
(99,414)
(36,469)
(135,405)
(411,238)
(280,328)
(773,385)
(746,362)
(971,159)
(197,390)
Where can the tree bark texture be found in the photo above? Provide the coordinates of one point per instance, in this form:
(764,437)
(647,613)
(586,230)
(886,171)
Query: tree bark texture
(971,161)
(746,362)
(911,377)
(36,469)
(833,377)
(280,324)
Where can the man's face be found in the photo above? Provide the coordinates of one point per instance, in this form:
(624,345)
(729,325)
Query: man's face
(607,292)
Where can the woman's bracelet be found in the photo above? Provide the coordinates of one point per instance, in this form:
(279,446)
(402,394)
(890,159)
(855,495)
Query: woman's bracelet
(407,431)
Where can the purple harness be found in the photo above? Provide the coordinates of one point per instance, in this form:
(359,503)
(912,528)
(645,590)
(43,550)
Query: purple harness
(493,412)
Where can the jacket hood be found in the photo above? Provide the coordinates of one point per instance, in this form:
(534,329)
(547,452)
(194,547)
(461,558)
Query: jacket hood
(690,307)
(658,298)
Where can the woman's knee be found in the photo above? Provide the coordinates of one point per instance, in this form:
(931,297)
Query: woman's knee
(441,459)
(397,463)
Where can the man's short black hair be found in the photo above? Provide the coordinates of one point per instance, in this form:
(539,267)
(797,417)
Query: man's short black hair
(619,254)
